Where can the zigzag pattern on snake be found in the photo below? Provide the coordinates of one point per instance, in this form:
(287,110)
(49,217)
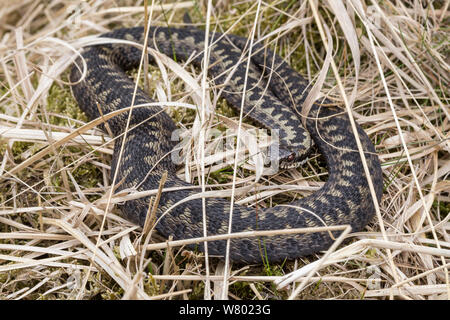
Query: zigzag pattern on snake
(272,101)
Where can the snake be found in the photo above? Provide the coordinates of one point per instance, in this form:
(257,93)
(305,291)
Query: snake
(271,93)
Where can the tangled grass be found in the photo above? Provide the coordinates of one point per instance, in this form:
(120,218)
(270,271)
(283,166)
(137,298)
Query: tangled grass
(61,236)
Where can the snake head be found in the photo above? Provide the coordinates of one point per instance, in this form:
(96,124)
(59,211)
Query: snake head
(287,157)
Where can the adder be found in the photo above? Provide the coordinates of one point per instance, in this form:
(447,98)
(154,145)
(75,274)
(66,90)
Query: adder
(275,94)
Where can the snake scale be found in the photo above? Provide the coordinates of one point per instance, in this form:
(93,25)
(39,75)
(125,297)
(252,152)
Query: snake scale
(270,100)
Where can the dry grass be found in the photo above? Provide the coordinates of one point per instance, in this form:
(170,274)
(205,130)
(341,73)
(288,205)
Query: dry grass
(61,236)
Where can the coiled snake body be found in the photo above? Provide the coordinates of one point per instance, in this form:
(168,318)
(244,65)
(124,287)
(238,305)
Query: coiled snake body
(344,199)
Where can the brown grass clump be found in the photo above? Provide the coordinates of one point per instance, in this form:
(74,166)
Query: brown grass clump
(61,236)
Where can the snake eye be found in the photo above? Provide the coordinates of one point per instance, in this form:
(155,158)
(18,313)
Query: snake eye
(291,157)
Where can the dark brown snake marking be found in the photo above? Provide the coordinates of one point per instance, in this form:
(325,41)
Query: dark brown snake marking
(344,199)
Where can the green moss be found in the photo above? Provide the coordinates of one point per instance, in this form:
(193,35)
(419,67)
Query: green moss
(444,208)
(19,147)
(87,175)
(197,291)
(61,105)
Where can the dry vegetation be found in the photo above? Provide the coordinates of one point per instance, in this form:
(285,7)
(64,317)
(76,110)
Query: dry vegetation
(56,240)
